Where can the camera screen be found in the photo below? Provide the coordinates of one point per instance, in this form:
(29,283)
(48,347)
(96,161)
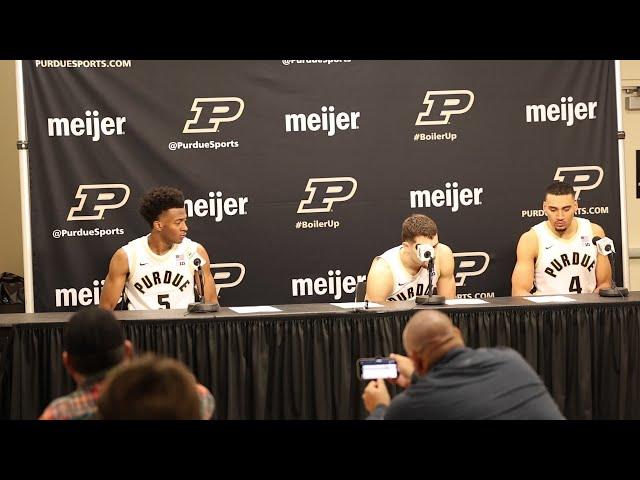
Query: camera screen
(378,369)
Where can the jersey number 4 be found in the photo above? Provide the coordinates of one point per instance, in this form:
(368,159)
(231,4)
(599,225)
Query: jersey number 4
(574,286)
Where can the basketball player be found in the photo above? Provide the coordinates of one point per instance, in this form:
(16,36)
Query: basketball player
(157,270)
(557,256)
(398,274)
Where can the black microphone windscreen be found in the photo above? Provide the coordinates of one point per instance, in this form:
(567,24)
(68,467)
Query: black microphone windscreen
(595,239)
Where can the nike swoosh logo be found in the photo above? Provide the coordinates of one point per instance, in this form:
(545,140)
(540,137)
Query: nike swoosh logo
(143,264)
(403,284)
(547,248)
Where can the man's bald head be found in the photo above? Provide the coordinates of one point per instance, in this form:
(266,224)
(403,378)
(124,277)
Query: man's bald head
(429,334)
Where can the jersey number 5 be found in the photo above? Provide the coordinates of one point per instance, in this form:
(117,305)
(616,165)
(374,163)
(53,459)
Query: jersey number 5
(163,300)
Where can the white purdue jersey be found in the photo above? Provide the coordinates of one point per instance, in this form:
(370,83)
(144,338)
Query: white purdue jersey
(406,286)
(565,266)
(160,281)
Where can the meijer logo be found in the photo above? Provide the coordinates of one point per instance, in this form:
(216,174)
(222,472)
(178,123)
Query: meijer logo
(72,297)
(91,125)
(334,284)
(441,104)
(216,206)
(327,121)
(323,192)
(211,112)
(566,111)
(451,197)
(581,178)
(95,199)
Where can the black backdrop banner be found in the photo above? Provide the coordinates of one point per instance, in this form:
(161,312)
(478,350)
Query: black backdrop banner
(297,173)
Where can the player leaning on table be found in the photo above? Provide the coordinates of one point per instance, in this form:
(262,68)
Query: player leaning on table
(557,256)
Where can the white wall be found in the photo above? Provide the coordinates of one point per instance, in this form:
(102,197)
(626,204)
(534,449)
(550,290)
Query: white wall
(11,225)
(630,76)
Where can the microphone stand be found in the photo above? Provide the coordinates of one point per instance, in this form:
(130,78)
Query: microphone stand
(355,300)
(430,299)
(200,306)
(614,291)
(201,278)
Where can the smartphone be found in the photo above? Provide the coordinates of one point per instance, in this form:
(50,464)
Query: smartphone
(379,367)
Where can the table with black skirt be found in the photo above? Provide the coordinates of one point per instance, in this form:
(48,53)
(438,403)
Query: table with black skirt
(299,362)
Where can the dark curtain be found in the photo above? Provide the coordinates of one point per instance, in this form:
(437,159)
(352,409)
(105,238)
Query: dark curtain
(304,367)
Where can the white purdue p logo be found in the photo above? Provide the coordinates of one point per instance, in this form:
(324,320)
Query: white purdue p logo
(441,104)
(227,275)
(581,178)
(95,199)
(324,191)
(211,112)
(469,264)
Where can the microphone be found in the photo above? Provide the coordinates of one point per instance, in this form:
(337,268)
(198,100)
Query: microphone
(606,247)
(200,306)
(427,252)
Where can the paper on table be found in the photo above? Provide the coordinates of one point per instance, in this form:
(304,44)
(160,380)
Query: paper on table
(356,304)
(260,309)
(464,301)
(550,299)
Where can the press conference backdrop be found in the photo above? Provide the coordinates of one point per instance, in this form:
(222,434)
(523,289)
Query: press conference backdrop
(297,173)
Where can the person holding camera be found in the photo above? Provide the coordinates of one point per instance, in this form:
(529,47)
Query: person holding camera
(402,273)
(445,380)
(158,270)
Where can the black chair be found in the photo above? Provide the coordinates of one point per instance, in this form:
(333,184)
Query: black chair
(361,291)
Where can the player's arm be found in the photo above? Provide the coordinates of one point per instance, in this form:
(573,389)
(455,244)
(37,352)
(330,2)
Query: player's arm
(210,294)
(603,266)
(116,278)
(523,273)
(446,280)
(379,281)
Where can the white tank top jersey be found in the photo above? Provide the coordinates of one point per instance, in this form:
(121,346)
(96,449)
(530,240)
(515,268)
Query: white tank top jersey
(406,286)
(565,266)
(160,281)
